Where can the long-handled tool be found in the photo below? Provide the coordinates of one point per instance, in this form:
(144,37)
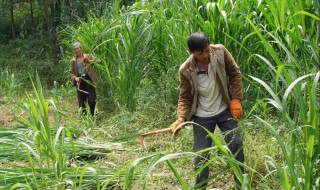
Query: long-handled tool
(78,88)
(175,134)
(141,138)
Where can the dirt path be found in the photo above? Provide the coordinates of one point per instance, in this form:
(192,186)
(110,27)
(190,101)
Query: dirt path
(6,114)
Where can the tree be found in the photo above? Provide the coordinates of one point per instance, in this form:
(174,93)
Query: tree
(31,12)
(52,11)
(11,3)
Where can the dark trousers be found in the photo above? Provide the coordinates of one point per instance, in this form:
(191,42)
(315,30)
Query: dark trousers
(86,94)
(202,140)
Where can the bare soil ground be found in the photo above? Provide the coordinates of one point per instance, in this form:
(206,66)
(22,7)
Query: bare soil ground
(6,114)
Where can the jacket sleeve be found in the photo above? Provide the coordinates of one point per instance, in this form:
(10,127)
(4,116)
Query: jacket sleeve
(185,96)
(234,74)
(92,59)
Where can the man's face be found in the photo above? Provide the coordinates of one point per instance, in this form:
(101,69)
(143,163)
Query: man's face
(203,56)
(77,50)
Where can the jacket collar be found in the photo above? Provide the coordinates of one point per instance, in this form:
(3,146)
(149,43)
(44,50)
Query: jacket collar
(192,61)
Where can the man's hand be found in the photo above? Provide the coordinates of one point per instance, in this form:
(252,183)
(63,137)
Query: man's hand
(174,125)
(87,60)
(236,109)
(77,79)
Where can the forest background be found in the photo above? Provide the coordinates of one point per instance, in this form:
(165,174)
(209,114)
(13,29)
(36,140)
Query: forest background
(45,145)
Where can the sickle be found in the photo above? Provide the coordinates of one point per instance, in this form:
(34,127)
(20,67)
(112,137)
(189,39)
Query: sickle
(141,138)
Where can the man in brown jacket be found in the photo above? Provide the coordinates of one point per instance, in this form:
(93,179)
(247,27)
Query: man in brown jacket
(84,77)
(210,95)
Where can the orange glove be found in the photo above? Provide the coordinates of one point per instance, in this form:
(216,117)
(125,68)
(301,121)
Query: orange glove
(236,109)
(174,125)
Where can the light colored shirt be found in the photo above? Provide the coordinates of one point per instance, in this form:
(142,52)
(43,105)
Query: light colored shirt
(81,69)
(210,101)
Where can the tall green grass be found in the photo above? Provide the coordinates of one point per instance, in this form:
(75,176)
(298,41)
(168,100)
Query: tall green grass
(148,39)
(10,82)
(276,41)
(293,64)
(302,153)
(134,45)
(49,150)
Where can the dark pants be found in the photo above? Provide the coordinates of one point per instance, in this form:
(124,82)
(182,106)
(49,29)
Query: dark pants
(89,97)
(202,140)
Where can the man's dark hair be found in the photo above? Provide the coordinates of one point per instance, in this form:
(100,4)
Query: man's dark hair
(197,41)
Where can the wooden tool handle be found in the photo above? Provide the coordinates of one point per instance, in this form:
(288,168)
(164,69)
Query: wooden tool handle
(157,131)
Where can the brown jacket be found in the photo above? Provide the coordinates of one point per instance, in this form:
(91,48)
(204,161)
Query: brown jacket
(89,68)
(228,77)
